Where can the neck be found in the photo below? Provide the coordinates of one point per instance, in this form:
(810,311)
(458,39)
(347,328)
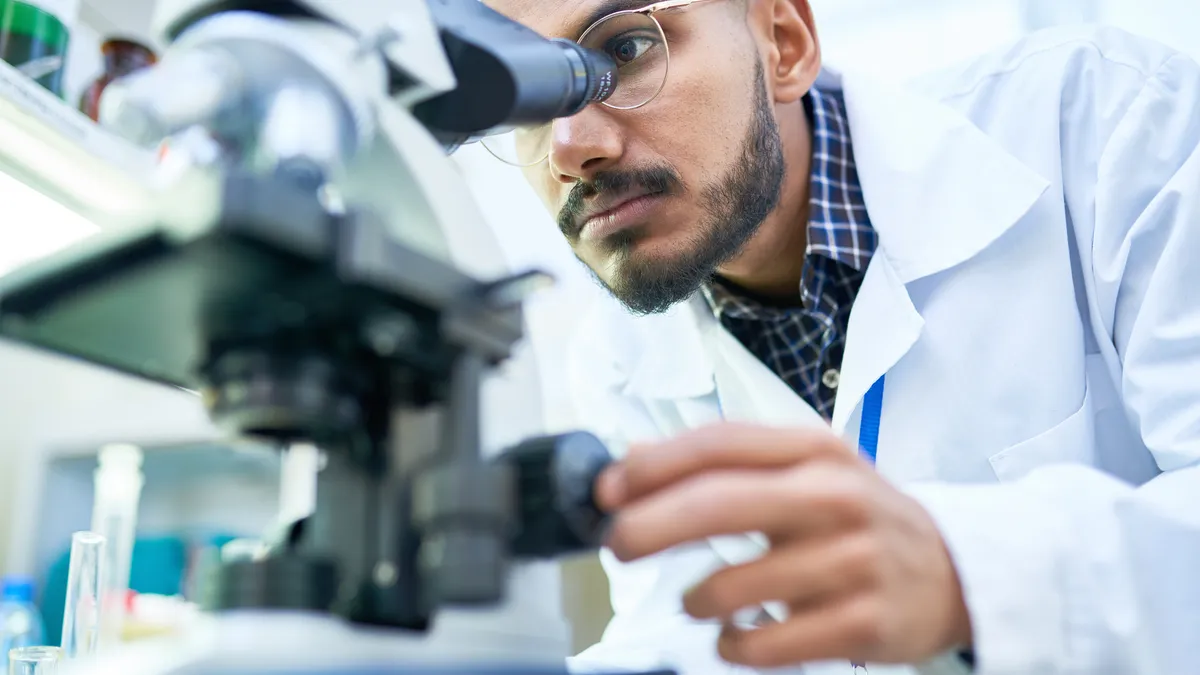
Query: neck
(770,263)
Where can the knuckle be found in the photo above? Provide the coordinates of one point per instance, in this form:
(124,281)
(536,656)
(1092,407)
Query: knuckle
(624,545)
(832,444)
(730,647)
(753,650)
(721,596)
(841,492)
(868,625)
(865,559)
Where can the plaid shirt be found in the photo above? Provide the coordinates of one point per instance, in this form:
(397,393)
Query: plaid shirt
(803,344)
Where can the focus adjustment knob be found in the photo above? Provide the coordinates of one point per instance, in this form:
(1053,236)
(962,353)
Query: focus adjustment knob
(555,481)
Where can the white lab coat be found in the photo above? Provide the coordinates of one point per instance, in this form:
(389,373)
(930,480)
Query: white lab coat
(1035,303)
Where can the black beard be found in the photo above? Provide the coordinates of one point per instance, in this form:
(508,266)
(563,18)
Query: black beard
(738,204)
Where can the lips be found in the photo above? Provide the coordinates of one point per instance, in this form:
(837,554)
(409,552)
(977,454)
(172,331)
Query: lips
(612,214)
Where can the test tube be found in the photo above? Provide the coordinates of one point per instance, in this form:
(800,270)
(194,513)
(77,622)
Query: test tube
(118,487)
(33,660)
(81,616)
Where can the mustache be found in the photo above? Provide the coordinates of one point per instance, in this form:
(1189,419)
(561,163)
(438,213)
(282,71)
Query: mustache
(659,180)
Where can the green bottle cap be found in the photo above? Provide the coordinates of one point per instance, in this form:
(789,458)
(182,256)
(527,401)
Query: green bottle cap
(25,19)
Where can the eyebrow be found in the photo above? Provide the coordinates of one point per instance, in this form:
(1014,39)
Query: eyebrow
(604,9)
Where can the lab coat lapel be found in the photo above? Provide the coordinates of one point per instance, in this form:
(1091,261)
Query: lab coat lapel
(664,354)
(883,326)
(669,368)
(938,191)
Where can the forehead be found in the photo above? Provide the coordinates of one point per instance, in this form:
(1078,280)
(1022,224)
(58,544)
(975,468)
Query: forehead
(561,18)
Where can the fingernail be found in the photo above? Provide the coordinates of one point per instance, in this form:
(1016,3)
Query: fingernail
(610,487)
(688,601)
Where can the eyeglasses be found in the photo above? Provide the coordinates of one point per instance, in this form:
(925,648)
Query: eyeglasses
(635,40)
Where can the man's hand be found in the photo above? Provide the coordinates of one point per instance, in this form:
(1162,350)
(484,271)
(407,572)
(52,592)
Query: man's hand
(860,566)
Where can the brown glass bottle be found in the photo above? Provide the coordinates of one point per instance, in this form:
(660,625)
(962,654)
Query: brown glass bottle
(121,57)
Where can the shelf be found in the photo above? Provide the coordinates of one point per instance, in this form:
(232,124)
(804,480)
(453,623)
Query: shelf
(58,151)
(30,99)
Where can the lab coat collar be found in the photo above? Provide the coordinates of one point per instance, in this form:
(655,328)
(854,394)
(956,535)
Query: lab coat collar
(938,191)
(667,352)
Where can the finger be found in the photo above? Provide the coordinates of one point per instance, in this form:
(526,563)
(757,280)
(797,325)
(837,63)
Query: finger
(802,573)
(707,505)
(815,500)
(842,630)
(647,468)
(610,488)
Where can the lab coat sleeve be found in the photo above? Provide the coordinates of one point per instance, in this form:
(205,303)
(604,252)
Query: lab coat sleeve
(1069,570)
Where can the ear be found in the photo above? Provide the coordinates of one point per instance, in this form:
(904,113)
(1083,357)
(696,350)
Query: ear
(793,57)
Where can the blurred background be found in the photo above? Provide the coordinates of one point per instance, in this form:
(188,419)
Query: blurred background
(54,413)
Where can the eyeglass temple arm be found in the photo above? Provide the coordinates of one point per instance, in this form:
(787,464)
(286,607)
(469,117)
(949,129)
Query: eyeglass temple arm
(672,4)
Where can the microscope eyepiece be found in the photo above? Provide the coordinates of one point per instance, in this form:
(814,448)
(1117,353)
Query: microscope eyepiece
(593,76)
(508,75)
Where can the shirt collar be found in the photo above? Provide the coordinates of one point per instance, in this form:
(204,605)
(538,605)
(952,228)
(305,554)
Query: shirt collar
(838,226)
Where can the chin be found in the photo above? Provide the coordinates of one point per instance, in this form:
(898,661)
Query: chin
(650,259)
(667,247)
(637,252)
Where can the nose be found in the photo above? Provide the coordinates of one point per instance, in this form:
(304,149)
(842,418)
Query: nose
(584,144)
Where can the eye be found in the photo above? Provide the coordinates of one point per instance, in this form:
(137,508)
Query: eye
(629,47)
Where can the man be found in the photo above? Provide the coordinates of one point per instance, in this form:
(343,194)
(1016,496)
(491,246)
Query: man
(1013,248)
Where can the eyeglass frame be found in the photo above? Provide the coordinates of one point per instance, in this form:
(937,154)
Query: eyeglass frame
(649,10)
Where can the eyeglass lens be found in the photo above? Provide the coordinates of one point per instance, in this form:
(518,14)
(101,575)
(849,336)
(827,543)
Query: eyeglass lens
(635,41)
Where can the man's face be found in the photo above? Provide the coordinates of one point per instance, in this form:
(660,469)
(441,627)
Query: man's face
(654,199)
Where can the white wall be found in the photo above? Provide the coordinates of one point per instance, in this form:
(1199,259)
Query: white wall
(1172,22)
(530,240)
(901,40)
(47,402)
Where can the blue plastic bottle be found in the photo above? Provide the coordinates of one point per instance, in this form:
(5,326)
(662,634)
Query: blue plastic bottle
(20,621)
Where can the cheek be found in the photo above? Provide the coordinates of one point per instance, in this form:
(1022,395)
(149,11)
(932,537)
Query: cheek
(699,119)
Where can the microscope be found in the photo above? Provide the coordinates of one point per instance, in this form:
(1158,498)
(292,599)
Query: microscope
(316,272)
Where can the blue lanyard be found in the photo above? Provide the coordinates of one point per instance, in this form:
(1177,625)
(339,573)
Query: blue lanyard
(868,430)
(868,437)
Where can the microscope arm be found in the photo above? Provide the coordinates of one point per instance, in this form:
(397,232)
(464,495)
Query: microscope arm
(463,69)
